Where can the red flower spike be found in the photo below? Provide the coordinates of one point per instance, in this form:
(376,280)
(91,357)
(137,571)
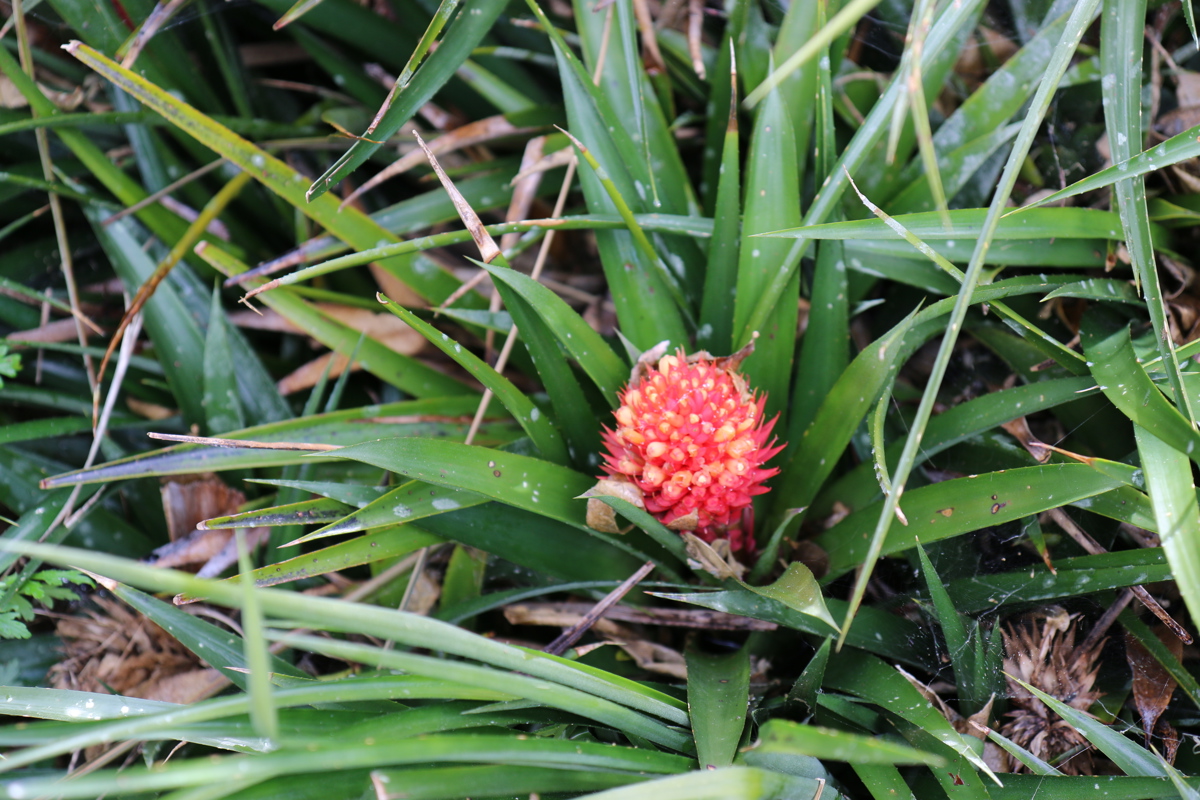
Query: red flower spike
(691,437)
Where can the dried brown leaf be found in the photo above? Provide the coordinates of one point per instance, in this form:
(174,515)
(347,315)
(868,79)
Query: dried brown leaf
(716,559)
(1152,684)
(600,515)
(567,614)
(188,500)
(1019,430)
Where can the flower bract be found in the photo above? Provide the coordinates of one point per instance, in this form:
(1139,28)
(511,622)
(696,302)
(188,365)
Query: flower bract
(691,437)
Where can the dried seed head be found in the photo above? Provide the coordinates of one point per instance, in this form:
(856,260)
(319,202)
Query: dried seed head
(1040,650)
(692,438)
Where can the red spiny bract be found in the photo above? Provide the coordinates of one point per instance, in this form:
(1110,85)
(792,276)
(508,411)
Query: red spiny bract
(691,437)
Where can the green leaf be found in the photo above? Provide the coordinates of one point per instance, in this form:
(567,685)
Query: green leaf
(572,411)
(825,350)
(846,18)
(1036,765)
(473,21)
(402,627)
(862,145)
(350,493)
(350,426)
(538,543)
(883,781)
(666,278)
(219,648)
(463,780)
(670,540)
(1131,758)
(967,224)
(1076,25)
(816,454)
(797,589)
(876,632)
(352,226)
(954,425)
(464,578)
(222,409)
(868,677)
(1178,148)
(11,627)
(408,502)
(126,717)
(960,506)
(957,166)
(580,340)
(1173,497)
(772,201)
(783,736)
(959,642)
(405,373)
(644,307)
(165,224)
(517,685)
(305,512)
(336,755)
(530,484)
(1104,289)
(1124,381)
(540,429)
(731,783)
(716,323)
(1120,59)
(172,327)
(718,691)
(393,542)
(1076,576)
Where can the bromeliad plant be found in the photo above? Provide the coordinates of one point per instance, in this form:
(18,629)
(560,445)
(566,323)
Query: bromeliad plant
(841,237)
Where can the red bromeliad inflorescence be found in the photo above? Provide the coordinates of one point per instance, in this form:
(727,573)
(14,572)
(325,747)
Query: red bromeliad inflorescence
(691,437)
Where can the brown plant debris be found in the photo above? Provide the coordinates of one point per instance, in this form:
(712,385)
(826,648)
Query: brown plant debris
(1152,689)
(113,650)
(1040,650)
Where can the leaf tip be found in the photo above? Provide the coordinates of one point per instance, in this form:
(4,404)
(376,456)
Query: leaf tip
(574,141)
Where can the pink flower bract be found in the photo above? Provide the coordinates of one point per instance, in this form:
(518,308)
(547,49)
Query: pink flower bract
(692,438)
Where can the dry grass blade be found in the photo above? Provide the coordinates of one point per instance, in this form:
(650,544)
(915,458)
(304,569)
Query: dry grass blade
(189,239)
(1092,546)
(70,514)
(694,31)
(484,130)
(293,258)
(488,250)
(525,186)
(163,192)
(652,57)
(245,443)
(570,637)
(444,12)
(56,211)
(159,17)
(568,613)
